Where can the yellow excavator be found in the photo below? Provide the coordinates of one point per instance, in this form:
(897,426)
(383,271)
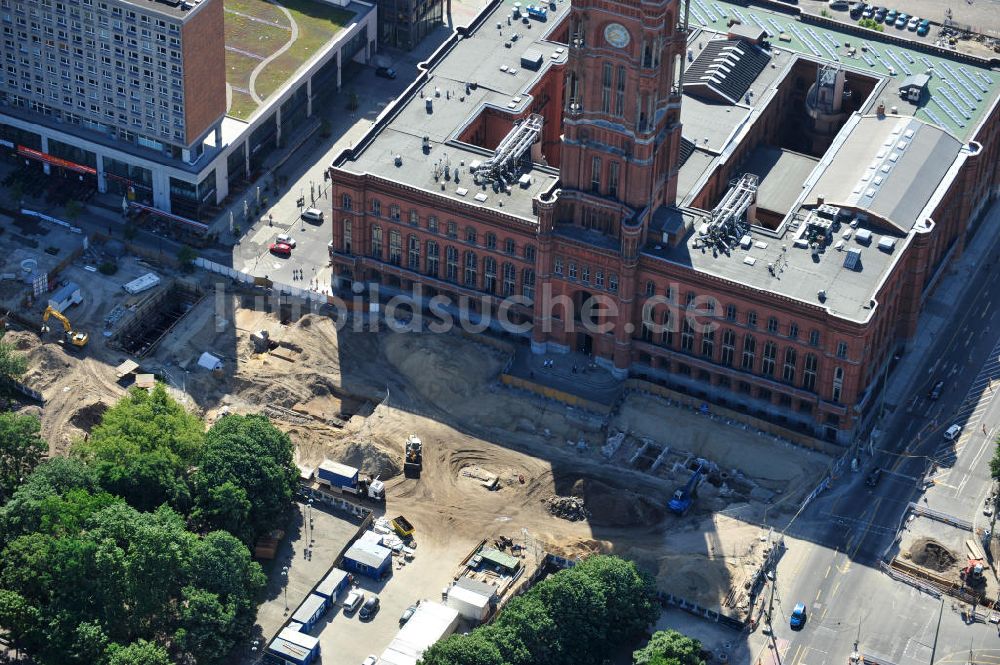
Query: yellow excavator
(75,338)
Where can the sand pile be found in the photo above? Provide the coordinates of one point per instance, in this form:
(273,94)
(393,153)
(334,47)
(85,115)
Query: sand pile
(369,457)
(89,416)
(609,506)
(430,364)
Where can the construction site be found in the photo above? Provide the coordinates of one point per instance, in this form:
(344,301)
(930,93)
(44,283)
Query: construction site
(678,490)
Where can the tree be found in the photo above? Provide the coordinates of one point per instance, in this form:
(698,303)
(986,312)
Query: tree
(253,455)
(21,449)
(185,257)
(225,506)
(139,652)
(474,649)
(143,448)
(577,604)
(72,209)
(13,365)
(630,596)
(995,462)
(668,647)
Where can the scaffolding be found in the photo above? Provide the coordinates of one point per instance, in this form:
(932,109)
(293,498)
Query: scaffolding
(503,166)
(729,222)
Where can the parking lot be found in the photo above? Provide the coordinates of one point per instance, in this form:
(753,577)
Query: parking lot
(331,532)
(345,639)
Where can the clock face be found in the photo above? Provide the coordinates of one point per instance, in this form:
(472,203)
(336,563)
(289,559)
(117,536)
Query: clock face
(616,35)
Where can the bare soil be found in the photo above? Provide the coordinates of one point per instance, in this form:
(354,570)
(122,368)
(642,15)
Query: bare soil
(932,554)
(354,397)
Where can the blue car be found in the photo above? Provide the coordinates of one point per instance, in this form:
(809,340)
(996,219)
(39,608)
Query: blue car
(798,616)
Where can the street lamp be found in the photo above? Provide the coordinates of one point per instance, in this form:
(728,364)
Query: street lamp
(284,583)
(312,530)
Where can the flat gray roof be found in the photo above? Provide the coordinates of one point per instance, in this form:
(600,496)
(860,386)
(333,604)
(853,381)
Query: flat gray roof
(782,175)
(175,9)
(500,82)
(797,274)
(887,166)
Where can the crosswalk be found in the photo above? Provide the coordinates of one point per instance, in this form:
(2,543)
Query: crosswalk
(970,412)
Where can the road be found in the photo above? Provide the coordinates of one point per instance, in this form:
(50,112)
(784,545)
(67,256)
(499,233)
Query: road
(832,564)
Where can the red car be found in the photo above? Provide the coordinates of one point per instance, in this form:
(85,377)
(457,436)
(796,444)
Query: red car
(281,249)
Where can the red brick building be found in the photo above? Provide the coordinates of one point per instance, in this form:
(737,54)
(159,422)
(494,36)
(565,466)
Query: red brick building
(747,224)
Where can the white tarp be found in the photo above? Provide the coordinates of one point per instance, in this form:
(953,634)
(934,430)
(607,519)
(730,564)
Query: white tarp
(208,361)
(430,623)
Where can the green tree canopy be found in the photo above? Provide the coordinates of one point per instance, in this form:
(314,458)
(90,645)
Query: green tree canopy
(577,616)
(139,652)
(21,449)
(256,459)
(143,449)
(13,365)
(668,647)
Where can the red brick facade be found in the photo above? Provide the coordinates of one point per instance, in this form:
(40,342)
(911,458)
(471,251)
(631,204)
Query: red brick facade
(785,360)
(204,69)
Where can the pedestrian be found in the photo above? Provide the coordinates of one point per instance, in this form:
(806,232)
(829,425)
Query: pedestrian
(270,219)
(984,428)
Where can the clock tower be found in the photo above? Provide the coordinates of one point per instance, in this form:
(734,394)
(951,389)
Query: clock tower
(622,116)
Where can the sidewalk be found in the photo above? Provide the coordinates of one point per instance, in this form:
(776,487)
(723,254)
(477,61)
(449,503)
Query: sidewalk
(939,310)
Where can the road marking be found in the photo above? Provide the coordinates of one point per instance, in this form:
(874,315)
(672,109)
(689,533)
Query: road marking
(819,592)
(828,569)
(795,657)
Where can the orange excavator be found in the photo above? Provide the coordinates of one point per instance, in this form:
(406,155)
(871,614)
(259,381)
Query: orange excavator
(76,339)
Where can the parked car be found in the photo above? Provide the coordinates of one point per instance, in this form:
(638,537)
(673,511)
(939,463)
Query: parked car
(837,5)
(891,16)
(952,432)
(280,249)
(935,392)
(924,28)
(879,17)
(874,477)
(353,601)
(370,660)
(798,618)
(385,72)
(286,239)
(902,20)
(913,23)
(369,609)
(407,614)
(313,215)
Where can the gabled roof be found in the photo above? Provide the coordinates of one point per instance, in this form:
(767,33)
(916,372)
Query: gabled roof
(725,69)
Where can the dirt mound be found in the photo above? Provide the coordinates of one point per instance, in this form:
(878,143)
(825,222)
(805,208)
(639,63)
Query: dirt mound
(567,507)
(369,457)
(440,375)
(932,554)
(89,416)
(609,506)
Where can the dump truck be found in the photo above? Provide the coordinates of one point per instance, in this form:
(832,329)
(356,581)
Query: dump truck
(413,462)
(402,527)
(684,497)
(348,480)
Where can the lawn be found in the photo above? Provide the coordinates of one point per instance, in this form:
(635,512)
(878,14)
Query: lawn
(318,24)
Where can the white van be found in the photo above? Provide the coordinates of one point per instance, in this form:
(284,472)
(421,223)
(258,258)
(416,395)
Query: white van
(313,215)
(952,432)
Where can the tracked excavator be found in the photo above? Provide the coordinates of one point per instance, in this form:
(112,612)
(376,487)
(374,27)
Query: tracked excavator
(74,338)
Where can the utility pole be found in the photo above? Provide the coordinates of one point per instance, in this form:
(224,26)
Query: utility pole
(770,624)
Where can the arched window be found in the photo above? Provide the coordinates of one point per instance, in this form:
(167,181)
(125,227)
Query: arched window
(509,278)
(788,373)
(809,373)
(470,269)
(451,263)
(377,242)
(414,253)
(770,353)
(432,258)
(489,274)
(749,352)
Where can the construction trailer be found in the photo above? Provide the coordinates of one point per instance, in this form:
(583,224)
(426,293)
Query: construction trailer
(473,599)
(430,623)
(368,559)
(333,584)
(65,296)
(311,610)
(292,647)
(144,283)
